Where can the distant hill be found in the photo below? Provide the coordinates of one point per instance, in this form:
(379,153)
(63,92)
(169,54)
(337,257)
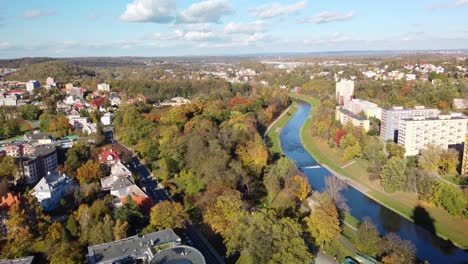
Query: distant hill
(62,71)
(23,62)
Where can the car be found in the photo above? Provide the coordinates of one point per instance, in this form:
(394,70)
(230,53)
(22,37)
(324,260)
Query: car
(350,260)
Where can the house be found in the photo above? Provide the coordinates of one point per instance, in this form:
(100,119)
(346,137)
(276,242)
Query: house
(89,128)
(109,156)
(7,201)
(103,87)
(97,102)
(23,260)
(39,138)
(51,188)
(106,119)
(76,121)
(32,85)
(158,247)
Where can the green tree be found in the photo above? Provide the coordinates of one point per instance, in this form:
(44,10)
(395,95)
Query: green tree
(89,172)
(395,150)
(30,112)
(393,174)
(227,208)
(131,214)
(8,168)
(189,182)
(65,253)
(368,240)
(449,197)
(72,226)
(323,223)
(167,215)
(120,229)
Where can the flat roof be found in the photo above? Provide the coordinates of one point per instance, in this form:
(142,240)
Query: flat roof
(179,255)
(23,260)
(353,115)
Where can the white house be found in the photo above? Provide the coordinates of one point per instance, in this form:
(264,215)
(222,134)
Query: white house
(76,121)
(89,128)
(51,188)
(106,119)
(103,87)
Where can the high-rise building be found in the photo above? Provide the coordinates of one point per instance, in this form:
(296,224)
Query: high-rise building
(464,169)
(357,106)
(445,130)
(344,91)
(31,85)
(391,118)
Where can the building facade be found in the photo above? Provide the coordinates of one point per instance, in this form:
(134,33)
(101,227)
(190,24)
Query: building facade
(344,91)
(464,169)
(345,116)
(51,188)
(445,131)
(357,106)
(103,87)
(32,85)
(391,118)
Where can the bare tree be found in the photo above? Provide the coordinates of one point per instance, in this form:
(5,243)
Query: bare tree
(333,189)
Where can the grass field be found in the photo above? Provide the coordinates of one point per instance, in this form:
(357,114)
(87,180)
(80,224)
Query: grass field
(274,133)
(446,225)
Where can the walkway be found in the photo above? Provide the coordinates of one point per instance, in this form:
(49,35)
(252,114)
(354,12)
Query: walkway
(348,164)
(276,120)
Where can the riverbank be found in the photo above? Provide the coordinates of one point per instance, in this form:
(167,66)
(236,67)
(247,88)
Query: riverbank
(446,226)
(274,130)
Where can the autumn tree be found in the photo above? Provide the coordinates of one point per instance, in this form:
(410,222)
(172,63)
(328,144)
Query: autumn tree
(333,188)
(395,150)
(323,224)
(167,215)
(393,174)
(397,251)
(89,172)
(368,240)
(439,160)
(120,229)
(449,197)
(65,253)
(227,208)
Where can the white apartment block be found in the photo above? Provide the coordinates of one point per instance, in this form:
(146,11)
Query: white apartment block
(417,132)
(357,106)
(104,87)
(76,121)
(31,85)
(344,91)
(391,118)
(345,116)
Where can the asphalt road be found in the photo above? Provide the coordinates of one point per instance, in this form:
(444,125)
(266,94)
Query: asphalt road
(192,236)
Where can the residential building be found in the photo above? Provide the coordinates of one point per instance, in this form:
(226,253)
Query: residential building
(460,103)
(417,132)
(344,91)
(176,101)
(464,169)
(76,121)
(410,77)
(32,85)
(8,100)
(103,87)
(89,128)
(23,260)
(106,119)
(109,156)
(38,138)
(345,116)
(51,188)
(50,81)
(391,118)
(357,106)
(157,247)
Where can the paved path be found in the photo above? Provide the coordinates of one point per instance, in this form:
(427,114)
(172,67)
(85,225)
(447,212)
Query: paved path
(276,120)
(348,164)
(323,258)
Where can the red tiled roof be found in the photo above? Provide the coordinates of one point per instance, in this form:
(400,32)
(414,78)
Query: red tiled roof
(106,153)
(97,102)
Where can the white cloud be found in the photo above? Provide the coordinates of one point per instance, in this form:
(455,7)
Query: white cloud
(276,9)
(209,11)
(201,36)
(156,11)
(461,2)
(244,28)
(4,45)
(37,13)
(327,17)
(256,39)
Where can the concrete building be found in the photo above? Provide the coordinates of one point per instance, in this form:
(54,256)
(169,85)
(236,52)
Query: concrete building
(460,103)
(345,116)
(8,100)
(23,260)
(51,188)
(50,81)
(344,91)
(357,106)
(391,118)
(103,87)
(76,121)
(157,247)
(445,130)
(464,169)
(32,85)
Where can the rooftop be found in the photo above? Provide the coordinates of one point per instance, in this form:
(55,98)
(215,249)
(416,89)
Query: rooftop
(24,260)
(351,114)
(179,255)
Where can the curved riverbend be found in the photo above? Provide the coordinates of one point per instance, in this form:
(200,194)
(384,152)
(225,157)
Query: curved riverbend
(428,246)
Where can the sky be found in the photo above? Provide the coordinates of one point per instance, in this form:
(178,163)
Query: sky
(77,28)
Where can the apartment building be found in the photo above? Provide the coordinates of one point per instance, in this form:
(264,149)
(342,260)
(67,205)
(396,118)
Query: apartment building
(464,169)
(103,87)
(357,106)
(445,130)
(391,118)
(344,91)
(345,116)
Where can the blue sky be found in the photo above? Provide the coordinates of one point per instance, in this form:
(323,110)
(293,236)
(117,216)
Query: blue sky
(66,28)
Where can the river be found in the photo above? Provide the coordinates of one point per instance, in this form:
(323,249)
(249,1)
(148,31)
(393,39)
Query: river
(428,246)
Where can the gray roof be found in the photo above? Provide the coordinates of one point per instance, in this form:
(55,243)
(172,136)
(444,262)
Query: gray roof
(37,136)
(122,182)
(24,260)
(179,255)
(44,150)
(131,247)
(52,181)
(351,114)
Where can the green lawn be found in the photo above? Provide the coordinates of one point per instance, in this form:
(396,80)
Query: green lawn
(447,226)
(273,134)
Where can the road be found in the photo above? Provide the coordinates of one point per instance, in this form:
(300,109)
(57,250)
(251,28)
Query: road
(192,236)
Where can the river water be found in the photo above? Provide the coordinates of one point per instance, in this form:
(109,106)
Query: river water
(428,246)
